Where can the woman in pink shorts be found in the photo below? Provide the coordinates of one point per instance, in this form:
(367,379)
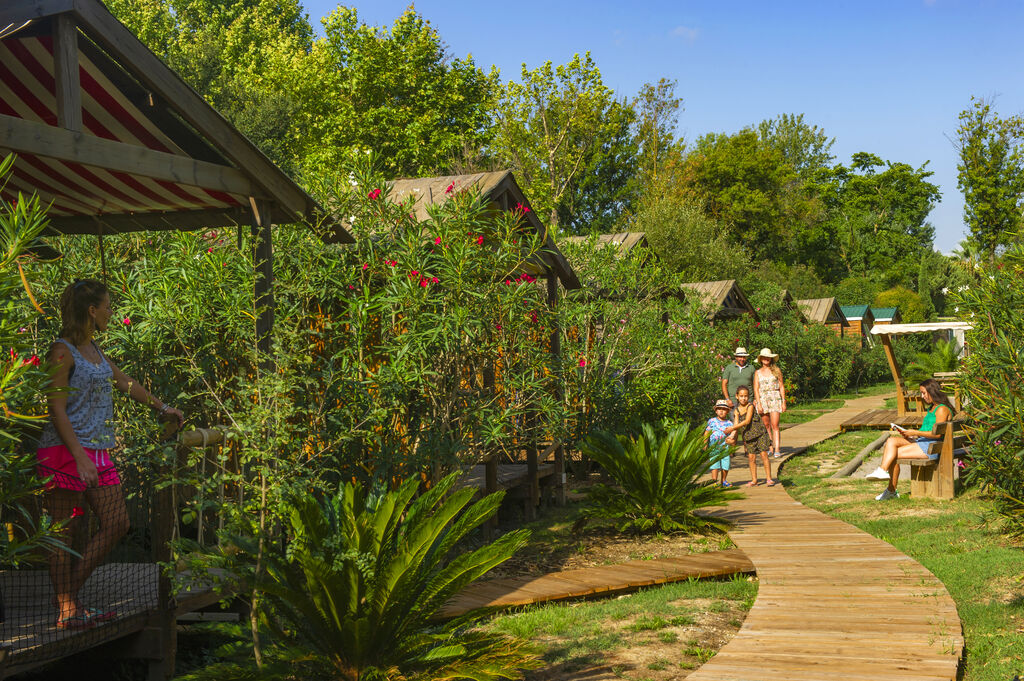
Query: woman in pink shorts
(74,448)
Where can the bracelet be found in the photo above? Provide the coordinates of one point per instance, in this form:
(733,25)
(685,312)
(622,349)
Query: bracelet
(165,408)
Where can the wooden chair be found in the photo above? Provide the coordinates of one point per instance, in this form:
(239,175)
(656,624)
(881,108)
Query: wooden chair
(937,478)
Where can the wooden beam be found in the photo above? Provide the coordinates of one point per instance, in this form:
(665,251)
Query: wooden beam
(890,356)
(27,10)
(65,72)
(148,69)
(28,137)
(142,222)
(263,261)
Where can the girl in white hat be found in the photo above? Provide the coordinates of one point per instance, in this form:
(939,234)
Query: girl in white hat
(770,395)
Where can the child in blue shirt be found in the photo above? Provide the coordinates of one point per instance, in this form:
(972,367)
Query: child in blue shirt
(719,429)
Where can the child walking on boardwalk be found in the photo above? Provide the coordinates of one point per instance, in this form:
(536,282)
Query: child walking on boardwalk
(753,434)
(719,428)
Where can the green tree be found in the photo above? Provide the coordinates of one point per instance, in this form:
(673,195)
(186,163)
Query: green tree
(555,127)
(752,188)
(990,174)
(876,221)
(806,147)
(657,109)
(912,308)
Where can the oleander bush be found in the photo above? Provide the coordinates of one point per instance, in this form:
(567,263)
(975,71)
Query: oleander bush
(993,381)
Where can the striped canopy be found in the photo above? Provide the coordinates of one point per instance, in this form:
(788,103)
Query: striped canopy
(114,141)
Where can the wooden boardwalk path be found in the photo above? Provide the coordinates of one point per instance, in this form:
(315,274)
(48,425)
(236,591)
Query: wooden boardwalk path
(833,602)
(603,581)
(800,437)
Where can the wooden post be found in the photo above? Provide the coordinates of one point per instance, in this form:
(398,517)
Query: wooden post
(65,73)
(559,386)
(901,395)
(263,261)
(945,483)
(162,625)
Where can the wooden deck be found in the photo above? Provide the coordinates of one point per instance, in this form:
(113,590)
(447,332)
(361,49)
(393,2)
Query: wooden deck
(129,588)
(833,603)
(509,475)
(879,419)
(596,581)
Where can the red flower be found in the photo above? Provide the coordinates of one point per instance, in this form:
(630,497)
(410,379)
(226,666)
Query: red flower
(33,360)
(533,316)
(209,250)
(127,321)
(374,195)
(434,280)
(480,240)
(522,209)
(366,266)
(424,282)
(350,287)
(77,511)
(437,241)
(583,362)
(508,282)
(498,327)
(450,188)
(14,353)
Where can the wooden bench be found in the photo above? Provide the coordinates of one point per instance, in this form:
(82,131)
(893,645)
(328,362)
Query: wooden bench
(937,478)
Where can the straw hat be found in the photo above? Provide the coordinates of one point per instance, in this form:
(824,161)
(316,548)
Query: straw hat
(766,352)
(721,404)
(741,352)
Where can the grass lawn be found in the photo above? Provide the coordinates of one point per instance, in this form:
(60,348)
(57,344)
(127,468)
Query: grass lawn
(655,634)
(957,540)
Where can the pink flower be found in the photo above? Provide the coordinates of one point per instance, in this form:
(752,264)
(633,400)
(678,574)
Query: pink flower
(437,241)
(350,287)
(583,362)
(434,280)
(374,195)
(366,266)
(508,282)
(450,188)
(498,327)
(33,360)
(480,240)
(127,321)
(209,250)
(522,209)
(424,282)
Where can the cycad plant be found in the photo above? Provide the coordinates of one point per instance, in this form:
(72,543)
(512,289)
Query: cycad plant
(657,480)
(355,594)
(945,356)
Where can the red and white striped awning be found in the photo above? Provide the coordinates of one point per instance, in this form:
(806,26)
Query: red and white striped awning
(27,88)
(113,140)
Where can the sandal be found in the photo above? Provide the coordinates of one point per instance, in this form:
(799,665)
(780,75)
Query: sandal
(97,615)
(771,483)
(75,622)
(725,483)
(752,483)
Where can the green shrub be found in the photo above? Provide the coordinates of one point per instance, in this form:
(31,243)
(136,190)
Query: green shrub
(992,381)
(912,308)
(355,594)
(943,357)
(657,480)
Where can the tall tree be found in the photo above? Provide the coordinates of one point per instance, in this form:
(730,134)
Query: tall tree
(557,125)
(991,174)
(657,109)
(806,147)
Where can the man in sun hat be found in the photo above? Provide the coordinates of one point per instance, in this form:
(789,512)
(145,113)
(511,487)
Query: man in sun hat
(736,374)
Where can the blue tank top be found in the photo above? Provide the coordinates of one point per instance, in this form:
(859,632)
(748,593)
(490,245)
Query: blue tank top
(90,404)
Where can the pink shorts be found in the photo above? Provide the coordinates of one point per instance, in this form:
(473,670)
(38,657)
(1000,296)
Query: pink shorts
(58,462)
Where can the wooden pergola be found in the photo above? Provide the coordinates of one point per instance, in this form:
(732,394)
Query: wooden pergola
(114,141)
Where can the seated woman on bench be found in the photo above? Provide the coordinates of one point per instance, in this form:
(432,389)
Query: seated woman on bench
(913,444)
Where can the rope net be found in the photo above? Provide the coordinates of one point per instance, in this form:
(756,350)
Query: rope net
(103,587)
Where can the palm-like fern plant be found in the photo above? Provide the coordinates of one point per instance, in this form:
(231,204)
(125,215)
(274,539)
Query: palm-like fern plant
(657,480)
(355,594)
(945,356)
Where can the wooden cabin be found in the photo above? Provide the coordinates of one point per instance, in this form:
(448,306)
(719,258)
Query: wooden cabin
(113,141)
(723,299)
(886,315)
(861,320)
(623,242)
(825,311)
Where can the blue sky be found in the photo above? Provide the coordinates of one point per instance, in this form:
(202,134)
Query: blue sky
(885,77)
